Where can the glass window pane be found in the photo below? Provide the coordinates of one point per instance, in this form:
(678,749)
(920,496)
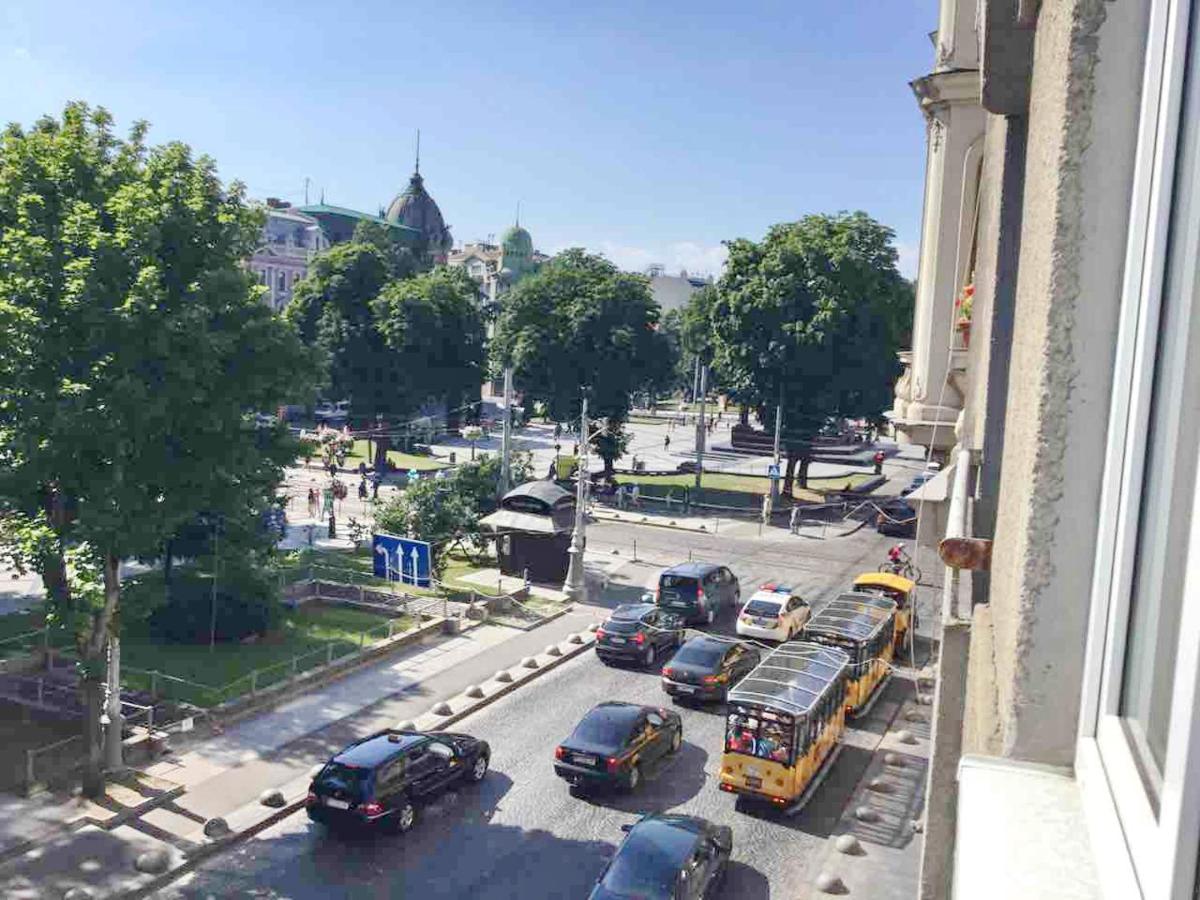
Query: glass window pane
(1166,503)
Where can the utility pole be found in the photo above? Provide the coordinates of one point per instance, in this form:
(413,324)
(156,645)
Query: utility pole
(576,585)
(778,423)
(506,434)
(700,424)
(696,379)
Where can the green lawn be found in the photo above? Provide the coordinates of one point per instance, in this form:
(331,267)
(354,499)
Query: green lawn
(403,461)
(725,489)
(306,630)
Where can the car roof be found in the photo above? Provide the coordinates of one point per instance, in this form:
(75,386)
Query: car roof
(691,568)
(615,710)
(707,642)
(673,836)
(632,610)
(373,750)
(771,596)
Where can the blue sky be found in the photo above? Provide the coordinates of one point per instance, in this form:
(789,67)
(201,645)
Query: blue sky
(648,131)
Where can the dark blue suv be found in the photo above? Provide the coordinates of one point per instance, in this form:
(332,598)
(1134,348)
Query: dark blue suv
(697,591)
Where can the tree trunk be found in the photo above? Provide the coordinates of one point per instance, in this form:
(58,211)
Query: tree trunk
(805,459)
(789,476)
(168,566)
(382,445)
(744,415)
(92,658)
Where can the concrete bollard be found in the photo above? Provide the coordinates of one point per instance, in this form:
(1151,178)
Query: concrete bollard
(216,828)
(409,725)
(153,862)
(575,639)
(529,662)
(503,676)
(866,814)
(905,736)
(77,893)
(442,709)
(272,797)
(828,883)
(474,692)
(894,759)
(553,650)
(879,786)
(848,844)
(592,627)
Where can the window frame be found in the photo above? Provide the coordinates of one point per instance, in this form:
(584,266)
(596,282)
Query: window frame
(1146,842)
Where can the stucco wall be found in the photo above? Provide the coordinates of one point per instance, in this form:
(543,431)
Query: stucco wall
(1027,646)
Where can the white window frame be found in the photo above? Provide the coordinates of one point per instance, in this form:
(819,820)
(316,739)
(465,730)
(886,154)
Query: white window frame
(1143,852)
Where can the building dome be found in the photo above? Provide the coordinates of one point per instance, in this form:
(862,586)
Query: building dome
(517,241)
(414,208)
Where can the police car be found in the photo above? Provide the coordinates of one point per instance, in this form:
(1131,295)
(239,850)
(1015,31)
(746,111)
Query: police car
(774,613)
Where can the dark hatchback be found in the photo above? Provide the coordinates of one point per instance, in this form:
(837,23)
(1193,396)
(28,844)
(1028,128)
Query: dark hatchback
(698,591)
(667,857)
(613,743)
(638,632)
(381,780)
(705,668)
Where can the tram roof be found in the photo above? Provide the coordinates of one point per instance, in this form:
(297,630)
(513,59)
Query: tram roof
(855,616)
(792,678)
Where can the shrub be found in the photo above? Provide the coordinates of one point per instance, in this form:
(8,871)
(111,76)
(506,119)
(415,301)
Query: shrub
(247,603)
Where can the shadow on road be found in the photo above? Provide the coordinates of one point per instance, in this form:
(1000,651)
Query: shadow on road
(670,782)
(744,883)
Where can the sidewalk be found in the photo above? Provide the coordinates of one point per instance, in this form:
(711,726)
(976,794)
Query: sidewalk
(226,775)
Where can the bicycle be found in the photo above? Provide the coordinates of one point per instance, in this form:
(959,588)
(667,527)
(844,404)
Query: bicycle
(900,563)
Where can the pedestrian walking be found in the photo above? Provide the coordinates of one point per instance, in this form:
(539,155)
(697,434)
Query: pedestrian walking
(553,471)
(312,503)
(635,495)
(557,430)
(879,462)
(362,489)
(666,443)
(362,468)
(620,496)
(375,486)
(792,527)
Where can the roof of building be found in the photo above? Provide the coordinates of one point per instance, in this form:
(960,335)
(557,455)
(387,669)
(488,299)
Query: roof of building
(415,208)
(517,240)
(855,616)
(319,209)
(792,679)
(546,491)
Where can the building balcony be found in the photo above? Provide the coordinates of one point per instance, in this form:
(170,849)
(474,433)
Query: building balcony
(926,413)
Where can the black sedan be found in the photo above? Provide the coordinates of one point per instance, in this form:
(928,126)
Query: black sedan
(664,857)
(705,668)
(638,633)
(614,742)
(897,518)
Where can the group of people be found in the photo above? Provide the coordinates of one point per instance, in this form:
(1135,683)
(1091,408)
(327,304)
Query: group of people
(771,743)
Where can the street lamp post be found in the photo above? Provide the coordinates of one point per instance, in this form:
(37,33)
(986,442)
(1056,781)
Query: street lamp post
(775,459)
(576,584)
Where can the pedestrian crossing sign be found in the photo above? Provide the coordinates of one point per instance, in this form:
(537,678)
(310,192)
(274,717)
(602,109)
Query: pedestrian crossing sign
(773,471)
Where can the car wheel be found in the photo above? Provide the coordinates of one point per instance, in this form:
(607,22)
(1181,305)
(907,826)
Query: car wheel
(635,778)
(479,770)
(648,659)
(406,816)
(677,739)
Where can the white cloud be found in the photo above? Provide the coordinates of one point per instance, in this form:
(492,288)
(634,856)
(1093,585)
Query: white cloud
(909,256)
(694,257)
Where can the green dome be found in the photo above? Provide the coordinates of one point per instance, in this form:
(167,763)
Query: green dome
(516,241)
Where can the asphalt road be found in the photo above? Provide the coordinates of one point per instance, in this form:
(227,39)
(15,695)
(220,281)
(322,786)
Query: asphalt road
(521,834)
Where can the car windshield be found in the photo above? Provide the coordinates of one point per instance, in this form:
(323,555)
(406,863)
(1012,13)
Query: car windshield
(341,777)
(763,608)
(621,626)
(678,581)
(700,653)
(649,861)
(605,727)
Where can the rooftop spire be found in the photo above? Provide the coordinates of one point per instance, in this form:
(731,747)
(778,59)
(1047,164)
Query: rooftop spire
(518,213)
(418,170)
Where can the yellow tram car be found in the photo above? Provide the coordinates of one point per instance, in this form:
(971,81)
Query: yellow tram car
(863,626)
(784,724)
(894,587)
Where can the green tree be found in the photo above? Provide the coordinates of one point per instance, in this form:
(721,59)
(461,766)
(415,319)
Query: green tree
(579,324)
(812,317)
(434,326)
(404,257)
(479,481)
(133,351)
(431,511)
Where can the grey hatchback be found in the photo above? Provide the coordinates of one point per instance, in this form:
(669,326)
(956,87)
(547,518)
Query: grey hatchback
(698,591)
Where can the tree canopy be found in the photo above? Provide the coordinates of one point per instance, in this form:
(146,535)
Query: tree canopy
(134,350)
(580,324)
(812,317)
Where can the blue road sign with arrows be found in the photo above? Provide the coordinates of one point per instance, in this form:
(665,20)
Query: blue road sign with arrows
(773,470)
(401,559)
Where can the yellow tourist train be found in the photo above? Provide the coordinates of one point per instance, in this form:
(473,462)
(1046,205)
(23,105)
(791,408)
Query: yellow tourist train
(863,626)
(894,587)
(784,724)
